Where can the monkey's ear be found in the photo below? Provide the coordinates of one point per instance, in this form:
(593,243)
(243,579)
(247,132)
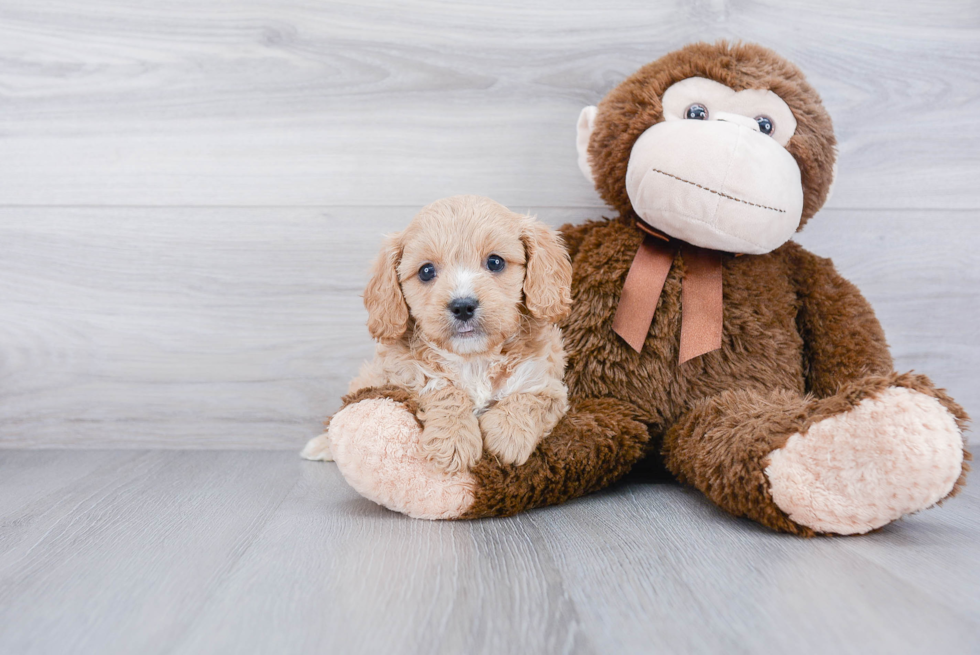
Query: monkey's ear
(586,123)
(387,311)
(833,176)
(548,276)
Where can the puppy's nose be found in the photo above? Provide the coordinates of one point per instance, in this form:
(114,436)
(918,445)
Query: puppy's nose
(464,308)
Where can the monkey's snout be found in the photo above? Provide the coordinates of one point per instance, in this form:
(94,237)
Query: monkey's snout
(716,185)
(737,119)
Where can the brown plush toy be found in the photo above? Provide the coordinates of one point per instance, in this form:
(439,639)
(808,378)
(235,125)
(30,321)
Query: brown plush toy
(701,339)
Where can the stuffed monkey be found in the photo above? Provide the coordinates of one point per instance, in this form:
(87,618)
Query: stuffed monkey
(701,339)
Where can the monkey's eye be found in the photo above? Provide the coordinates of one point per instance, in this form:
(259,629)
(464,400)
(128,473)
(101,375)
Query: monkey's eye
(766,125)
(427,272)
(495,263)
(697,112)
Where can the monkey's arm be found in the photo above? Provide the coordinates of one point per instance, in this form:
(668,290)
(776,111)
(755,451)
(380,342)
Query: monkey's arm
(844,344)
(843,340)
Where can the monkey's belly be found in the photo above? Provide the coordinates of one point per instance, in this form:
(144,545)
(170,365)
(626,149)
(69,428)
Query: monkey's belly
(761,349)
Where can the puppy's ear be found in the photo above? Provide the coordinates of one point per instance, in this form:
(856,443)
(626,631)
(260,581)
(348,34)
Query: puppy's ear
(548,276)
(387,311)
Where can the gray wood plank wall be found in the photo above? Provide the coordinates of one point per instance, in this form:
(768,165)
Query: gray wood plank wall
(190,192)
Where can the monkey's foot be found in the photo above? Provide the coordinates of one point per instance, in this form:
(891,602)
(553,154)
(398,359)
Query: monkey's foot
(889,456)
(376,446)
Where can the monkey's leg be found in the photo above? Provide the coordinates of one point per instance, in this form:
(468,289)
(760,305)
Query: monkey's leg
(880,448)
(375,442)
(597,442)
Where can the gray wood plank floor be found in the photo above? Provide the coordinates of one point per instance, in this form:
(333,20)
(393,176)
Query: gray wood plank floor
(260,552)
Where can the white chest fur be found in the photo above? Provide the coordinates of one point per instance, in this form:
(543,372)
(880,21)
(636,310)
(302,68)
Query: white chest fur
(491,379)
(474,377)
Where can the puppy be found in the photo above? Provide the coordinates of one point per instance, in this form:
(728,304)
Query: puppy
(463,304)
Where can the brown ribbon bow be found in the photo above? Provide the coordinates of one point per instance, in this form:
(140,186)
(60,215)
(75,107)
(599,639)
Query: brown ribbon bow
(701,294)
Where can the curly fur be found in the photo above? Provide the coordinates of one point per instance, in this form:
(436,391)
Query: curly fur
(500,385)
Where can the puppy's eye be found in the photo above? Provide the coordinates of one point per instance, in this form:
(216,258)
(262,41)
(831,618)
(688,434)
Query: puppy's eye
(495,263)
(696,112)
(427,272)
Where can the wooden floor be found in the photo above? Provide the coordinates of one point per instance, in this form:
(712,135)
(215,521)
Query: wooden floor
(148,552)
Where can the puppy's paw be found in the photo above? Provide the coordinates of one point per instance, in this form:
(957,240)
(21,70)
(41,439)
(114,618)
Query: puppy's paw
(510,439)
(453,445)
(318,449)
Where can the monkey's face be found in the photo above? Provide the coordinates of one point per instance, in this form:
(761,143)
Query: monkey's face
(724,166)
(716,172)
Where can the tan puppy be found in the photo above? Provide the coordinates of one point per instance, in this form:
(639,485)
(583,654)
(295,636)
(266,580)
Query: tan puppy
(463,304)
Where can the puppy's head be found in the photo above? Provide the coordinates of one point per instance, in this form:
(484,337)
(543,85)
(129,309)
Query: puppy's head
(467,270)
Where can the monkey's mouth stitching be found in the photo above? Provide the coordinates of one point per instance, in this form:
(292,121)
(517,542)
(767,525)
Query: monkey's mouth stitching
(719,193)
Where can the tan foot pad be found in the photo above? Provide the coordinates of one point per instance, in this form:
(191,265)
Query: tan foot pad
(376,446)
(889,456)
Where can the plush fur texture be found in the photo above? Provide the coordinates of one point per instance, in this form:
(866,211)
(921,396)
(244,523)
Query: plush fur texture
(800,345)
(493,379)
(594,444)
(633,106)
(855,493)
(377,453)
(376,445)
(319,449)
(803,364)
(723,446)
